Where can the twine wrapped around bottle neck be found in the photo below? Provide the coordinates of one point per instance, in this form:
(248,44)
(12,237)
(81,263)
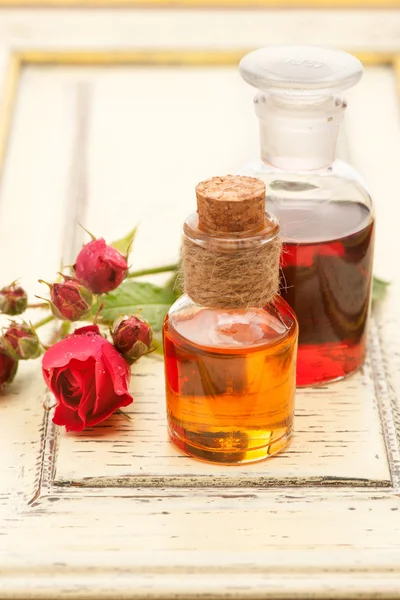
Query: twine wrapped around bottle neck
(231,249)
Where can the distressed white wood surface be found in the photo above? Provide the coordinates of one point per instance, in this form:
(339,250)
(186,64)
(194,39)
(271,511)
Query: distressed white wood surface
(116,512)
(191,543)
(338,441)
(199,28)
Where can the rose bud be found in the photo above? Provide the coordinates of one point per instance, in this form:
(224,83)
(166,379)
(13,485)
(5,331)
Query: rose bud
(102,268)
(22,338)
(70,300)
(132,337)
(13,300)
(8,363)
(88,377)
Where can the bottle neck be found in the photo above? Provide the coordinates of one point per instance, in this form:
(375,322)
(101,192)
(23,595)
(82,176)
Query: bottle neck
(299,134)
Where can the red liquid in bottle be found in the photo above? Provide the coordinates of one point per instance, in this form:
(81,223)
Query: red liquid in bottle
(326,278)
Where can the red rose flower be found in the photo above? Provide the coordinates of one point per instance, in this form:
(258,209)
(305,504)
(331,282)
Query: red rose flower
(101,268)
(132,337)
(13,300)
(8,365)
(23,340)
(88,377)
(70,300)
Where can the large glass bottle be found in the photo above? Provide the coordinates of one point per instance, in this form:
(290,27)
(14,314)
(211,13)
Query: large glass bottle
(324,209)
(230,366)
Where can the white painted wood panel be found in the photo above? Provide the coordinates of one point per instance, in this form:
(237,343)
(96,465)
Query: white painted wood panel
(233,543)
(143,145)
(33,208)
(22,426)
(338,441)
(198,28)
(35,184)
(373,135)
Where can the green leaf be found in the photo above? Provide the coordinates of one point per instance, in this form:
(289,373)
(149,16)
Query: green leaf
(174,283)
(379,288)
(157,343)
(124,244)
(134,296)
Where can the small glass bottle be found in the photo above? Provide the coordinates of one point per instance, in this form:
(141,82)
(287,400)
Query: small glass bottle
(230,341)
(324,209)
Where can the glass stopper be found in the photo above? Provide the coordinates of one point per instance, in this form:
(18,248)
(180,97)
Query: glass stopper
(300,70)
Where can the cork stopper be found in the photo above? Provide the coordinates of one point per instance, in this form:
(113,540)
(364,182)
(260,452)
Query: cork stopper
(231,204)
(237,270)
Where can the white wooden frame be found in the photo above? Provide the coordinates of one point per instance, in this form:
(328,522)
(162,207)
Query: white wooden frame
(113,536)
(214,4)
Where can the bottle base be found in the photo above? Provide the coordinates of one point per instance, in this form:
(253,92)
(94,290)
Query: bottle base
(327,363)
(226,457)
(316,384)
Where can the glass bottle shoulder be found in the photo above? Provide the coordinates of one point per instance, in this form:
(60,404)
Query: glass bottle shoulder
(315,206)
(232,330)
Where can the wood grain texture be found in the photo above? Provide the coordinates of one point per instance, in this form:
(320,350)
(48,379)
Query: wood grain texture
(195,543)
(107,29)
(338,441)
(216,4)
(116,512)
(46,145)
(9,80)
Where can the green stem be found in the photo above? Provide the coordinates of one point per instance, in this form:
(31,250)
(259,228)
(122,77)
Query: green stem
(61,332)
(38,305)
(164,269)
(44,321)
(123,414)
(65,328)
